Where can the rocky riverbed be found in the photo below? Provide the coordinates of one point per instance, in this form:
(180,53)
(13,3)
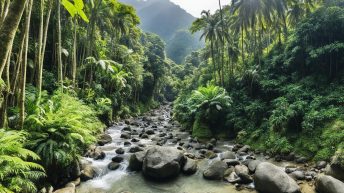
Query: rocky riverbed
(153,154)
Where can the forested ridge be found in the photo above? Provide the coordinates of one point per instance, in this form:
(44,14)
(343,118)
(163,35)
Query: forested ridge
(270,77)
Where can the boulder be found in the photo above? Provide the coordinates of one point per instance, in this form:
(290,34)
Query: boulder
(244,149)
(87,172)
(215,170)
(104,139)
(269,178)
(113,166)
(227,155)
(70,188)
(125,135)
(120,151)
(136,161)
(162,162)
(321,165)
(231,162)
(135,149)
(190,167)
(252,165)
(328,184)
(335,168)
(297,175)
(242,172)
(117,159)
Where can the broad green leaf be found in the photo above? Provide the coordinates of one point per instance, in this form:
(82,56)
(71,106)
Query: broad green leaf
(83,15)
(79,4)
(69,7)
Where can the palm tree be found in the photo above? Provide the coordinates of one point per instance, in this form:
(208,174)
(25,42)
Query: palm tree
(210,28)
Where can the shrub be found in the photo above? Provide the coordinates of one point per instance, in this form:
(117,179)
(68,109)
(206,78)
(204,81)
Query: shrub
(61,131)
(17,171)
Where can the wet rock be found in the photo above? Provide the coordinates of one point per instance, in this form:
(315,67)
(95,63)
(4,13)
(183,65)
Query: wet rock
(70,188)
(100,156)
(242,172)
(117,159)
(162,162)
(298,175)
(95,153)
(210,146)
(126,128)
(227,155)
(245,149)
(135,149)
(335,168)
(87,172)
(271,179)
(144,136)
(328,184)
(320,165)
(125,135)
(162,134)
(301,160)
(127,143)
(136,161)
(252,165)
(215,171)
(104,139)
(233,178)
(135,140)
(190,167)
(150,132)
(231,162)
(120,151)
(113,166)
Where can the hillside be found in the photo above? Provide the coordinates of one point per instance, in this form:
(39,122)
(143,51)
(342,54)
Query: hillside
(156,18)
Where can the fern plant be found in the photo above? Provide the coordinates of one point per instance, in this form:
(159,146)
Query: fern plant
(61,131)
(17,172)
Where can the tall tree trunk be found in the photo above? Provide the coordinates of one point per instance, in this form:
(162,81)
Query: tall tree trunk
(24,65)
(3,106)
(4,6)
(39,52)
(213,58)
(8,30)
(59,47)
(74,53)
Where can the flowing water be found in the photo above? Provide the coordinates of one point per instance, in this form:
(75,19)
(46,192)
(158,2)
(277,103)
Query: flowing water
(122,180)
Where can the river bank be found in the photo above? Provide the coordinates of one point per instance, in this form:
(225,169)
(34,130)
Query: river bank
(109,164)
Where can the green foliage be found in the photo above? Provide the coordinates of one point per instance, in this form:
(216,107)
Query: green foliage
(61,131)
(17,171)
(202,109)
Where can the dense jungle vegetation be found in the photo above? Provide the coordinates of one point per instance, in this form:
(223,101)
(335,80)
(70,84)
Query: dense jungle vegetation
(270,75)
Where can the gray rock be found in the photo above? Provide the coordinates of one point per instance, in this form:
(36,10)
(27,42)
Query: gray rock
(190,167)
(87,172)
(335,168)
(113,166)
(136,161)
(117,159)
(135,149)
(215,171)
(245,149)
(328,184)
(104,139)
(227,155)
(162,162)
(252,165)
(297,175)
(120,151)
(231,162)
(269,178)
(70,188)
(321,164)
(125,135)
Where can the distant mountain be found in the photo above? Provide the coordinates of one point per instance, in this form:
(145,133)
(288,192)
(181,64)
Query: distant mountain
(167,20)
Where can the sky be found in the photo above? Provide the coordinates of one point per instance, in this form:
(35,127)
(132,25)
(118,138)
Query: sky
(195,7)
